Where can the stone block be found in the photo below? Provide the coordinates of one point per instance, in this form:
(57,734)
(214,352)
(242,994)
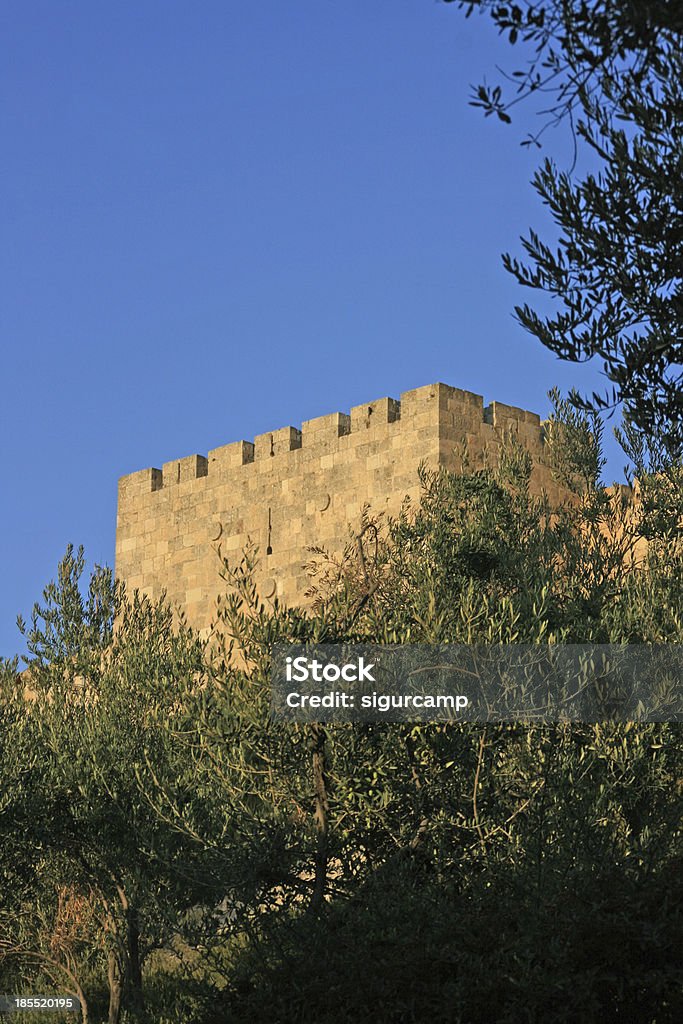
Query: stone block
(180,471)
(229,456)
(325,428)
(375,414)
(276,442)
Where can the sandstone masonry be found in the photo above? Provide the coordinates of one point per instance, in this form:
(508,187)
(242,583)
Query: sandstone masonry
(292,488)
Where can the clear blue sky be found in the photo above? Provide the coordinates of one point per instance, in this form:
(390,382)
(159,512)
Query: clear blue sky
(220,218)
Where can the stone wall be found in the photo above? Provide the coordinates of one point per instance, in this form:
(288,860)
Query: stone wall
(293,488)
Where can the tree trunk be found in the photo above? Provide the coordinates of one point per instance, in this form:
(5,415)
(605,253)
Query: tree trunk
(115,980)
(84,1004)
(321,805)
(134,997)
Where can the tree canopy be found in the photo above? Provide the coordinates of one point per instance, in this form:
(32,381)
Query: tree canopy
(613,71)
(170,853)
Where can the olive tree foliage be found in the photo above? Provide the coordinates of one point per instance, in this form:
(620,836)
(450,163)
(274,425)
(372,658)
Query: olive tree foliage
(571,45)
(360,872)
(105,879)
(399,871)
(612,69)
(40,922)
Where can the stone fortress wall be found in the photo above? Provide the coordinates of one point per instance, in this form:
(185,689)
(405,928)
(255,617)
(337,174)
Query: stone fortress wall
(291,489)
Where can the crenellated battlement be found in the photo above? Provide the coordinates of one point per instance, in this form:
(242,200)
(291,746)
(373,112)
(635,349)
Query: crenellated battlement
(296,487)
(459,410)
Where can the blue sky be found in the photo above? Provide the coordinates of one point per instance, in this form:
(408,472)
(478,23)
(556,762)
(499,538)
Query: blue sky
(220,218)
